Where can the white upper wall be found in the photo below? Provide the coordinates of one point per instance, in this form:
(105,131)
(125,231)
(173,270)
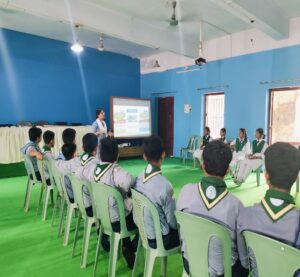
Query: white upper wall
(237,44)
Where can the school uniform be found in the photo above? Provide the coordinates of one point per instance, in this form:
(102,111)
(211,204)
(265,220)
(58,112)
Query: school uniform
(211,199)
(87,160)
(67,167)
(25,150)
(160,192)
(198,152)
(242,150)
(248,165)
(275,217)
(223,139)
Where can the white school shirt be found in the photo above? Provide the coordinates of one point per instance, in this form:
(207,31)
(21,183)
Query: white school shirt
(246,149)
(262,153)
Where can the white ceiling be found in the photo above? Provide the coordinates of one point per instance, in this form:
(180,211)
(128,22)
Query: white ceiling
(138,27)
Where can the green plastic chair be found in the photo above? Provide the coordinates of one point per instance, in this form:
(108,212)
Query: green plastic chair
(141,202)
(197,232)
(273,258)
(30,183)
(101,194)
(197,144)
(258,173)
(77,186)
(184,151)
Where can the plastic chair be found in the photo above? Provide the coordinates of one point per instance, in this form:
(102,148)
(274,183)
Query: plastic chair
(48,189)
(273,258)
(141,202)
(61,199)
(197,144)
(101,196)
(77,186)
(197,232)
(30,182)
(184,151)
(258,173)
(297,184)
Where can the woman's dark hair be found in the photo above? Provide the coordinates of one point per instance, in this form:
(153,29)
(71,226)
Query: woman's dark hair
(243,130)
(261,132)
(206,128)
(98,111)
(223,130)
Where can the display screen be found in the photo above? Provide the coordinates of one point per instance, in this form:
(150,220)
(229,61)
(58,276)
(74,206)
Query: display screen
(131,118)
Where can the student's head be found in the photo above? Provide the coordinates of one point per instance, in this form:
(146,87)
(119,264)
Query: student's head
(216,158)
(35,134)
(243,134)
(100,114)
(153,150)
(48,138)
(223,132)
(206,131)
(259,134)
(69,150)
(282,165)
(69,135)
(90,143)
(109,151)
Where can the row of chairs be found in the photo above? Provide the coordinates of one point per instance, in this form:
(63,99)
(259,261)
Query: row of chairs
(187,153)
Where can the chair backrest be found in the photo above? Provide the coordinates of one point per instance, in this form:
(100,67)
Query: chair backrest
(57,177)
(77,186)
(197,142)
(101,195)
(197,232)
(40,164)
(273,258)
(29,165)
(140,203)
(191,142)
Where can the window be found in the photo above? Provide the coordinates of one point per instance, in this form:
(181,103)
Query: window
(214,113)
(284,117)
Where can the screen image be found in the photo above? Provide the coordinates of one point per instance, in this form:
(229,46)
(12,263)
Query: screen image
(131,118)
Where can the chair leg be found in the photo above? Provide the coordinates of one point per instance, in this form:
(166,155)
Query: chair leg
(163,266)
(137,258)
(86,241)
(97,253)
(76,235)
(61,217)
(68,224)
(40,199)
(28,195)
(113,255)
(258,177)
(58,200)
(45,206)
(149,264)
(51,197)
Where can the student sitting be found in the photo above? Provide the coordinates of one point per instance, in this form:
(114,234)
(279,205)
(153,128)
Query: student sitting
(223,135)
(110,173)
(211,199)
(68,136)
(87,160)
(33,150)
(254,160)
(205,140)
(241,146)
(276,215)
(159,190)
(48,138)
(69,165)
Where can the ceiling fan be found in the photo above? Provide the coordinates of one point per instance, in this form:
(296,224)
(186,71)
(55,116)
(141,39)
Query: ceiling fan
(174,20)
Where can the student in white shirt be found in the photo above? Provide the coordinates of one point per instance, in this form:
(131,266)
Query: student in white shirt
(223,135)
(255,160)
(241,146)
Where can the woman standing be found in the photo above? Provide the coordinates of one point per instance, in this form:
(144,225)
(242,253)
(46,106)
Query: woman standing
(99,127)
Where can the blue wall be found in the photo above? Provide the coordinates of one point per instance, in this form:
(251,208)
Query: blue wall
(40,79)
(246,100)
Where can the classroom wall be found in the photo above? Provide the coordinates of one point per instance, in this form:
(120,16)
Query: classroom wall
(42,79)
(246,99)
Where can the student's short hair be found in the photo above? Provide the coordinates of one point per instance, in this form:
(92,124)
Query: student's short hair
(217,157)
(68,135)
(109,150)
(282,164)
(223,130)
(89,142)
(206,128)
(153,148)
(34,133)
(48,136)
(68,150)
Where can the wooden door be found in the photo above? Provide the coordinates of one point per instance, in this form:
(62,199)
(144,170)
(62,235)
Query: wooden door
(166,122)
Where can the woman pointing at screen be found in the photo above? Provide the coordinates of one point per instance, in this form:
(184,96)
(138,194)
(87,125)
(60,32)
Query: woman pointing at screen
(99,127)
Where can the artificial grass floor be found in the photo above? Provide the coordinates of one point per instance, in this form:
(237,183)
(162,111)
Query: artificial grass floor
(30,247)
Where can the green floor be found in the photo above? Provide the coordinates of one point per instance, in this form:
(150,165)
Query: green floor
(30,247)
